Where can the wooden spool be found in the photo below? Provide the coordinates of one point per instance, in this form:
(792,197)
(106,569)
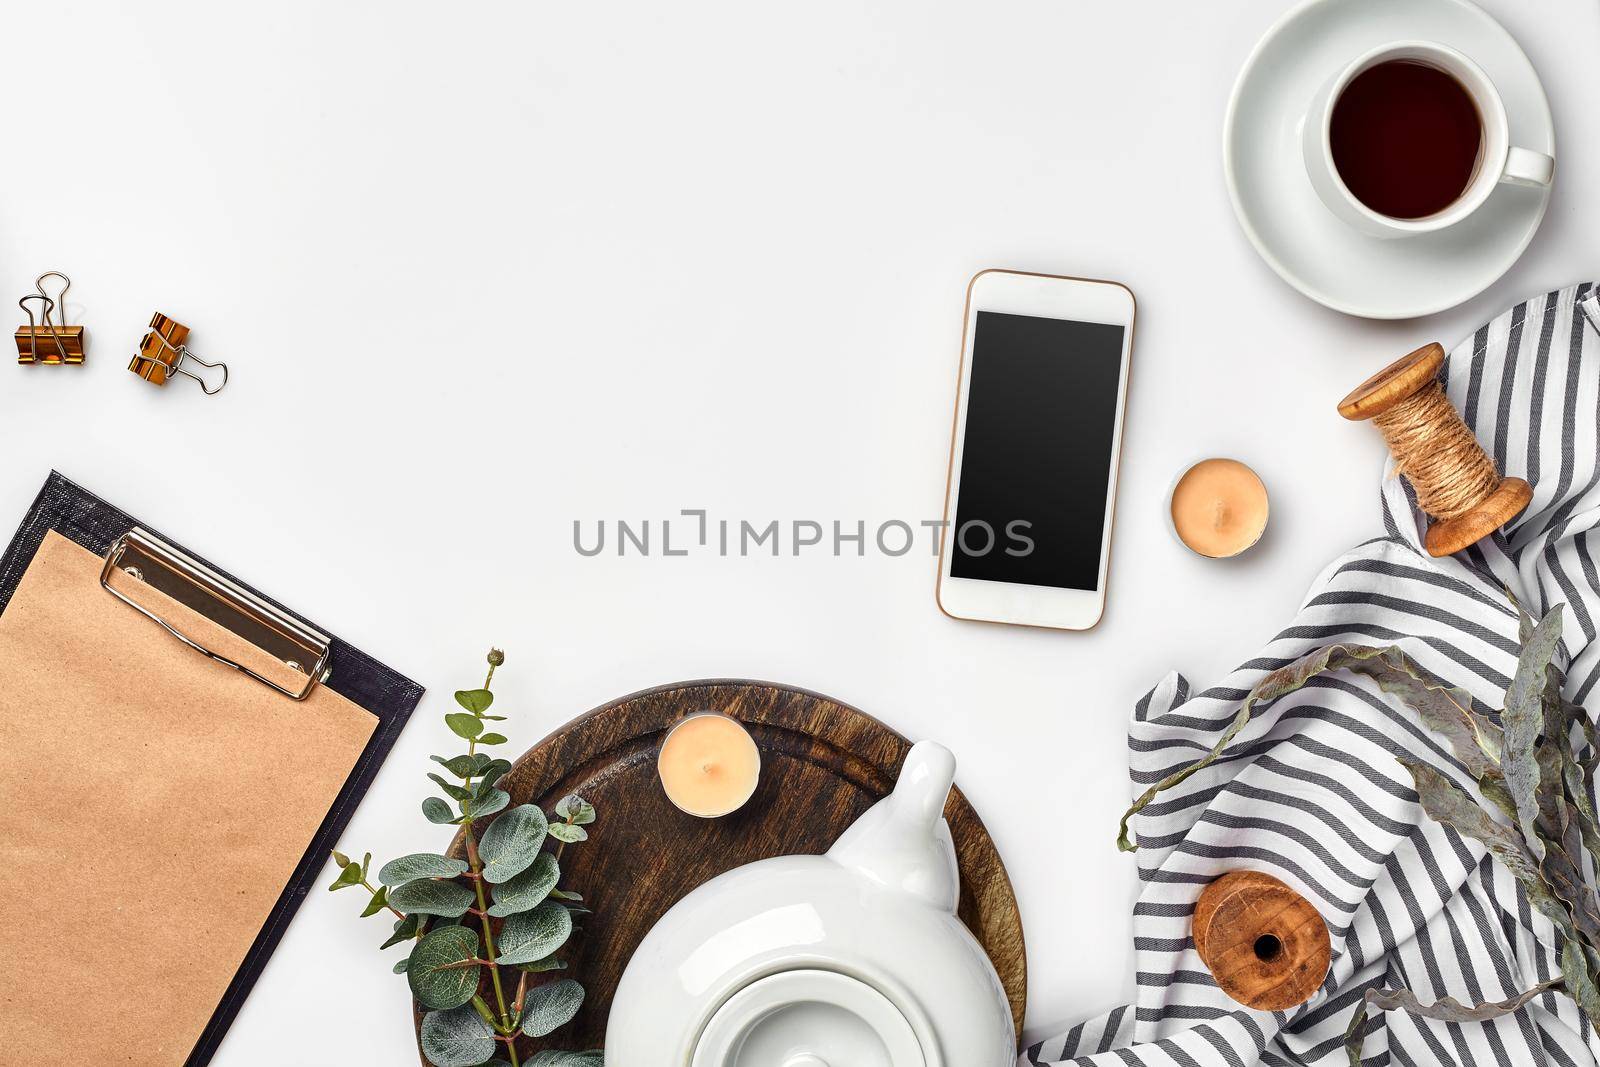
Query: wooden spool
(1401,379)
(1265,944)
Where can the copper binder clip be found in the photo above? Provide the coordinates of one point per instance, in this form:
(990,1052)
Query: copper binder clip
(52,342)
(163,353)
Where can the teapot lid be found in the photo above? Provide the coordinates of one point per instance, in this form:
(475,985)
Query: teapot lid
(809,1018)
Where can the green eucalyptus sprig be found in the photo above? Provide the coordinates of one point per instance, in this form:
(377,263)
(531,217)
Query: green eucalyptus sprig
(500,912)
(1535,772)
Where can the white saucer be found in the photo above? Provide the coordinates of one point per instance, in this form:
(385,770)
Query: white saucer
(1295,232)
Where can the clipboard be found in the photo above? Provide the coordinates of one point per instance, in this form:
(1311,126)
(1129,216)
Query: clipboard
(221,647)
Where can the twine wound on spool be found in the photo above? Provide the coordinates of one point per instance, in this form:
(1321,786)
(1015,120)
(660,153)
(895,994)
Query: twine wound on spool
(1265,944)
(1455,480)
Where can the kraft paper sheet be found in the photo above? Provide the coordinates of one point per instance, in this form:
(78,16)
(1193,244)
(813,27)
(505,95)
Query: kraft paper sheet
(153,806)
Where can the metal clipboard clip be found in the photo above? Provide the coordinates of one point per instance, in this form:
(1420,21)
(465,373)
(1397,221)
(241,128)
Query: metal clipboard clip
(149,560)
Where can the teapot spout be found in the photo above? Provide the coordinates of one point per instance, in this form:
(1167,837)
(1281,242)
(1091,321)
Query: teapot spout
(903,842)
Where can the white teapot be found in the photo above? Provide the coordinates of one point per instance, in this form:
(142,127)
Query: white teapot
(850,959)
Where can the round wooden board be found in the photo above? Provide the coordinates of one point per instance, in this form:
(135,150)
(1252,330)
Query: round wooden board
(823,764)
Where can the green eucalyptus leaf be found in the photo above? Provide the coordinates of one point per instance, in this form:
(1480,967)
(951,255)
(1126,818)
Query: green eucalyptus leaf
(512,842)
(419,865)
(1275,684)
(437,811)
(349,876)
(492,739)
(440,974)
(491,801)
(462,766)
(567,832)
(404,930)
(400,968)
(463,725)
(552,1058)
(366,864)
(564,894)
(551,1006)
(476,701)
(451,790)
(456,1038)
(1447,804)
(1524,720)
(429,897)
(549,963)
(495,769)
(341,859)
(533,935)
(576,809)
(379,901)
(528,889)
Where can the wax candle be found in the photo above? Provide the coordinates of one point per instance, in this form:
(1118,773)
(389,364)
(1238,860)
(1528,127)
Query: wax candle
(1219,507)
(709,765)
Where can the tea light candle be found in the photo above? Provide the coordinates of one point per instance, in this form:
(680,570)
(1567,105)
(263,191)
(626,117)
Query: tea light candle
(709,765)
(1219,507)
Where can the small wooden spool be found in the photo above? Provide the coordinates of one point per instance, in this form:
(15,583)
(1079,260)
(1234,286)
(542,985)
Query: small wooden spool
(1402,379)
(1265,944)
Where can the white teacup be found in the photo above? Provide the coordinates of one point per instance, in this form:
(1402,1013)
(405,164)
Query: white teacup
(1498,160)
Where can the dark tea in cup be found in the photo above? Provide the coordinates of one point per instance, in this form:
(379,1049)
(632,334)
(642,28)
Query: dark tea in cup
(1406,138)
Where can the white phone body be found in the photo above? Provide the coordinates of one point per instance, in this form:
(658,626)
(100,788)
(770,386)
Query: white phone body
(1079,603)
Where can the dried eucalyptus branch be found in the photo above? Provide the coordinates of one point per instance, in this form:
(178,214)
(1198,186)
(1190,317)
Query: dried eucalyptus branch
(1536,769)
(508,884)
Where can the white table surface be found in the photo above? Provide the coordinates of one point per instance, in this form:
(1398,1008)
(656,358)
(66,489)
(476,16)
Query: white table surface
(482,270)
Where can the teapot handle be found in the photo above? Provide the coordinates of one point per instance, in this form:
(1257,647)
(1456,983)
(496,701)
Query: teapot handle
(925,781)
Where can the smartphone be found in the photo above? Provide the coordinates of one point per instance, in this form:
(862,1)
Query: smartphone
(1032,485)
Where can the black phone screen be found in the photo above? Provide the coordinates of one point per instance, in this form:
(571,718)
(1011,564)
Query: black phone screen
(1036,463)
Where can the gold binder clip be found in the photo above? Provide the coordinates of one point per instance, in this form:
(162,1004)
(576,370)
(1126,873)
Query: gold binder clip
(52,342)
(163,353)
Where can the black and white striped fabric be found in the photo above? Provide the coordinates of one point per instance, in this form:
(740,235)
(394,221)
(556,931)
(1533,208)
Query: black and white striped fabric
(1311,791)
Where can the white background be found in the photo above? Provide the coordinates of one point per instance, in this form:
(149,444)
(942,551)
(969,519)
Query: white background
(481,270)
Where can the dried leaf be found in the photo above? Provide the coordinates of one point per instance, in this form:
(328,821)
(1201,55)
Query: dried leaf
(1447,804)
(1443,709)
(1579,978)
(1524,720)
(1447,1010)
(1284,680)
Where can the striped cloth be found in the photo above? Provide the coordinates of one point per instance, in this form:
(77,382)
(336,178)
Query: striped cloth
(1311,791)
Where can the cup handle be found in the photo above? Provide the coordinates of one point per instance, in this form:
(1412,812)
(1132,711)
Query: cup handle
(1526,167)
